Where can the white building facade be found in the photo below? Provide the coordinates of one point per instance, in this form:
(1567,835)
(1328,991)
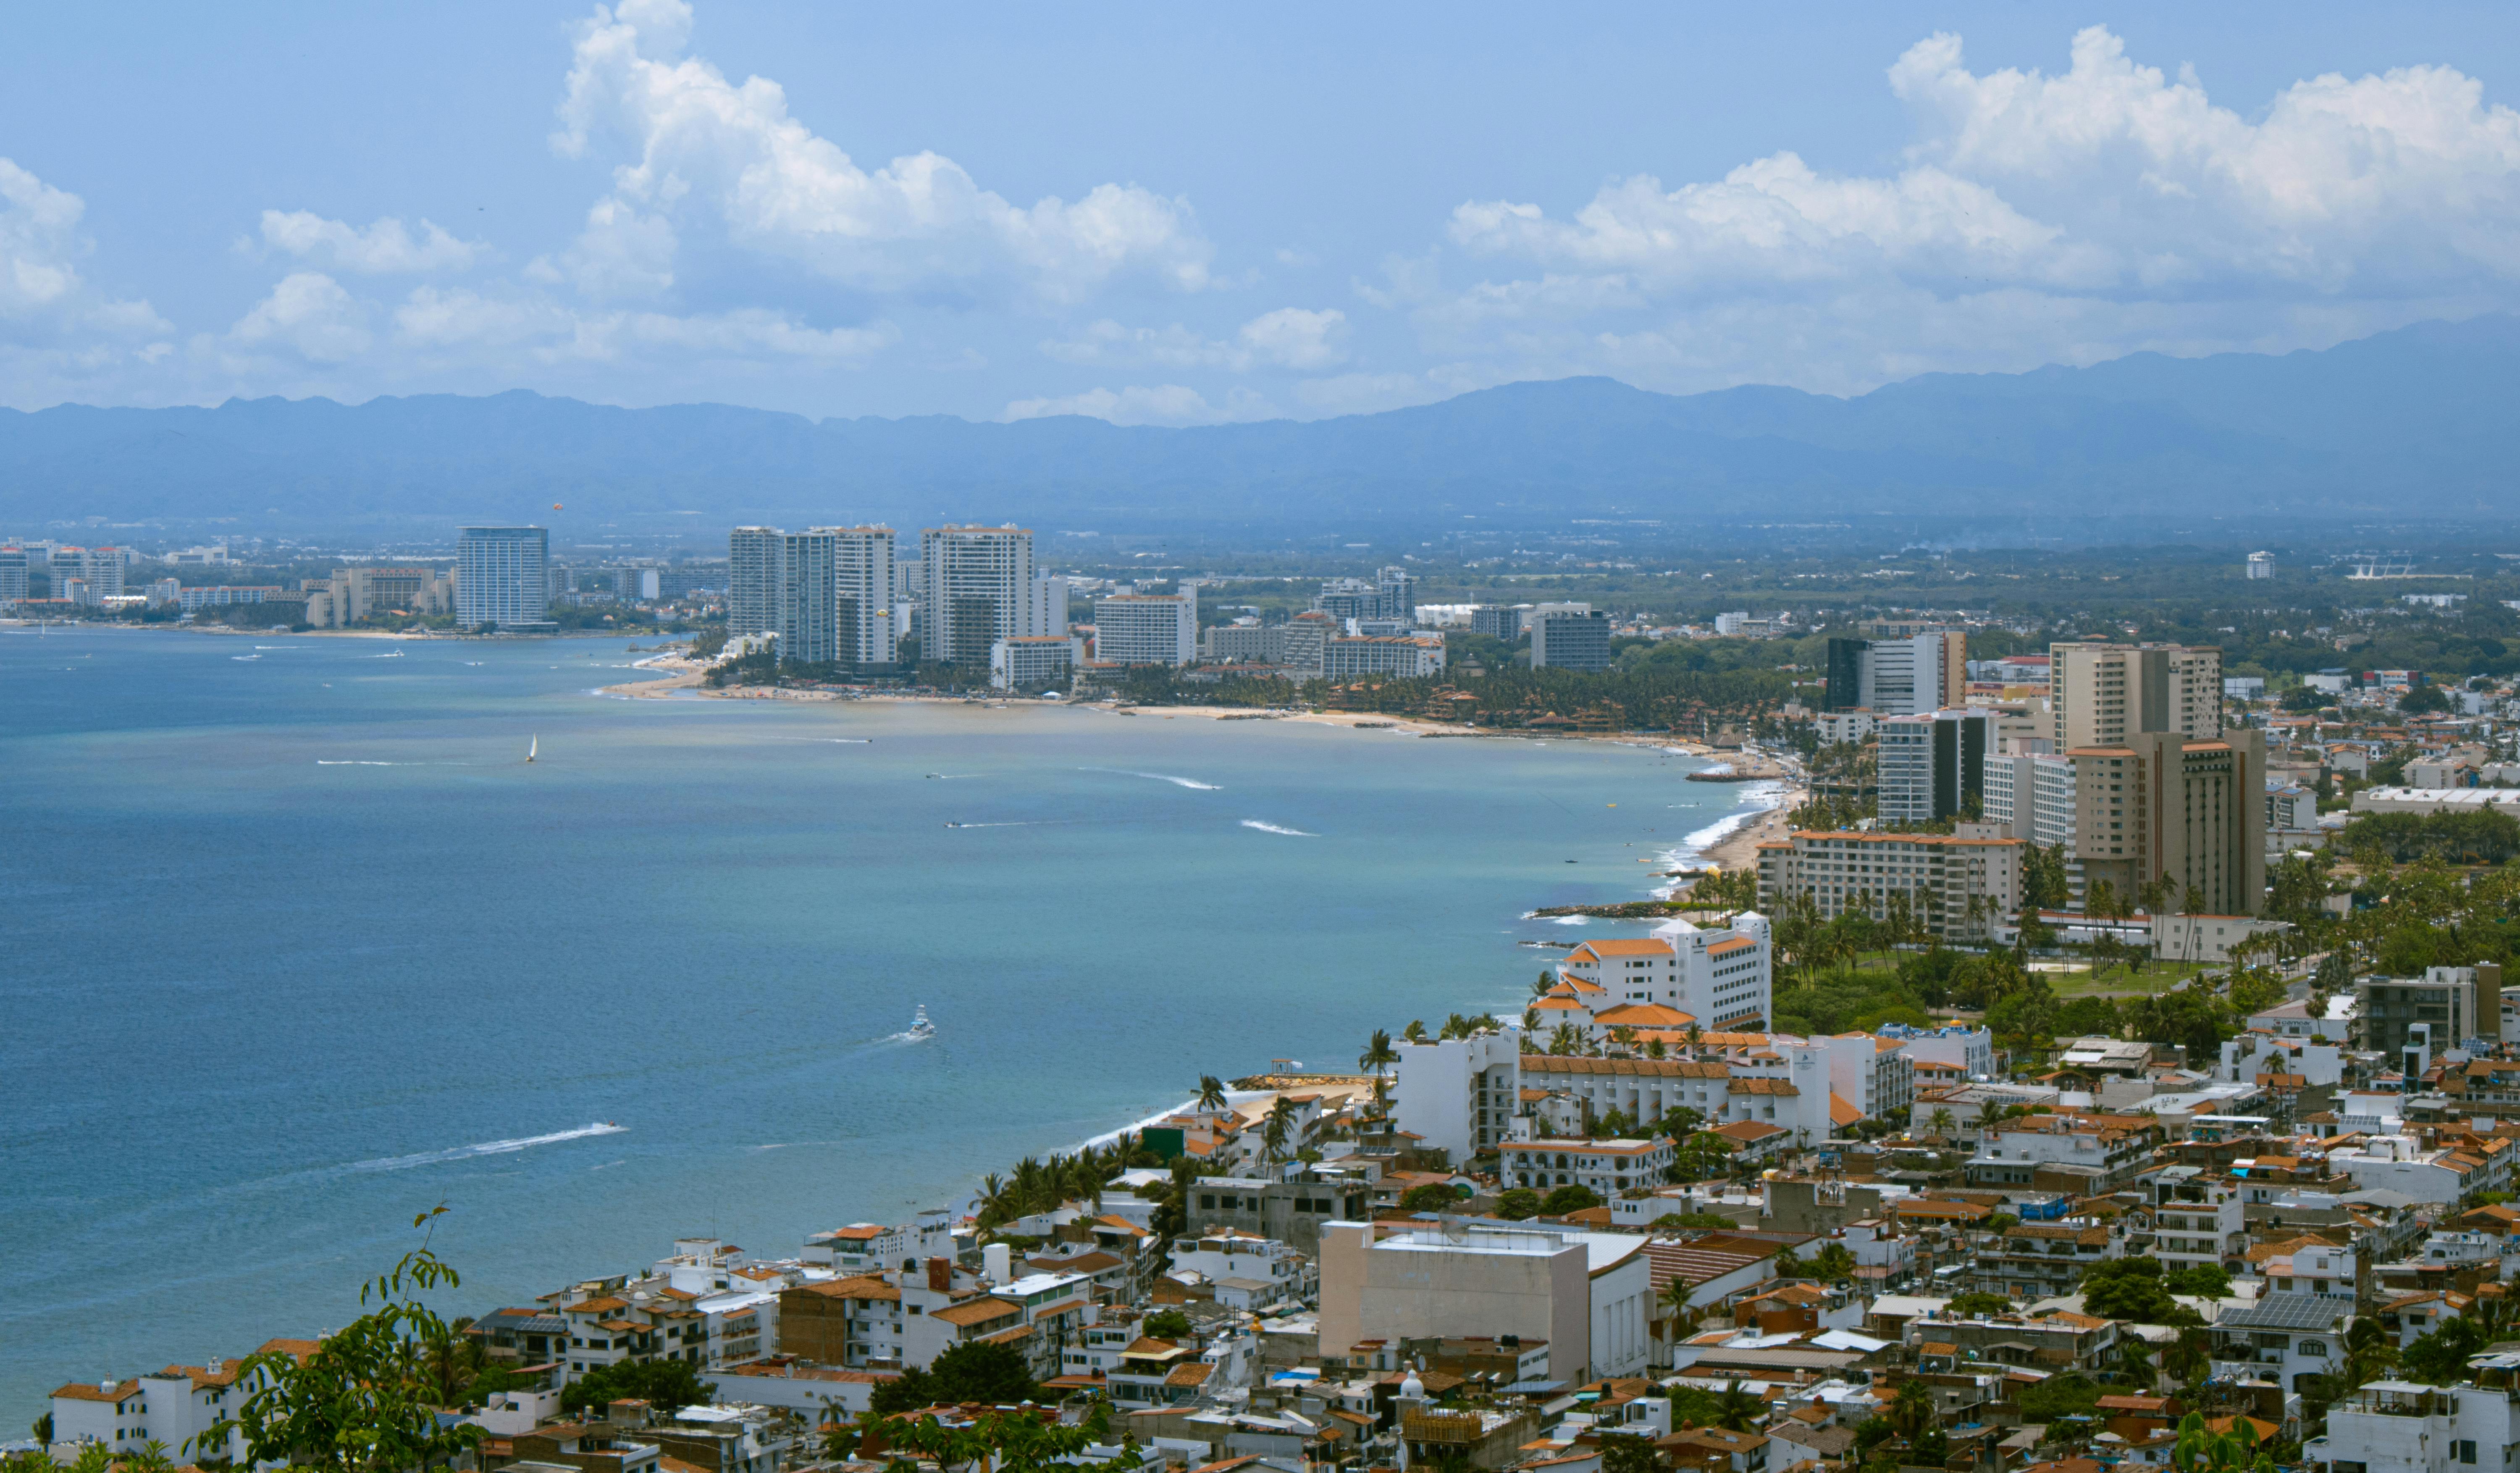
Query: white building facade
(1147,628)
(500,577)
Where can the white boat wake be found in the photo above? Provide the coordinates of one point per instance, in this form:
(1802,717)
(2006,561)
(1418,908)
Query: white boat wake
(485,1148)
(1162,777)
(1270,828)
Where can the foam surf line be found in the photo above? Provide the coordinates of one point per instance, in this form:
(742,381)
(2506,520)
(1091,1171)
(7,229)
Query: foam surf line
(484,1149)
(1270,828)
(1757,801)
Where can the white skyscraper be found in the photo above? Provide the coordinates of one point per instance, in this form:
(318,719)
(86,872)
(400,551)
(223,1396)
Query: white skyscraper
(500,576)
(976,589)
(753,557)
(1146,628)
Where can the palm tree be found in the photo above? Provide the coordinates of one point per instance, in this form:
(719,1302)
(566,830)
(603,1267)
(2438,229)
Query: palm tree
(1280,1125)
(996,1205)
(1379,1056)
(1736,1407)
(1211,1093)
(1415,1032)
(1941,1121)
(1912,1411)
(2368,1350)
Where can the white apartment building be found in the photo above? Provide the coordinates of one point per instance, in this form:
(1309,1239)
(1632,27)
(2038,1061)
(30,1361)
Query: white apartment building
(176,1406)
(13,574)
(1721,978)
(1035,661)
(1955,887)
(1872,1074)
(1344,656)
(1147,628)
(1608,1166)
(1643,1089)
(500,577)
(1247,640)
(101,569)
(978,588)
(2400,1427)
(1265,1272)
(2400,1164)
(2054,800)
(1912,675)
(1836,726)
(1587,1295)
(1971,1051)
(1459,1094)
(2206,1233)
(2286,1338)
(1307,642)
(754,556)
(1929,765)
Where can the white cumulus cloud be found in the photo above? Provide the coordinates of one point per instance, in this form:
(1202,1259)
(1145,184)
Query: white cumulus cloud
(310,314)
(2035,217)
(1160,404)
(386,246)
(699,148)
(41,290)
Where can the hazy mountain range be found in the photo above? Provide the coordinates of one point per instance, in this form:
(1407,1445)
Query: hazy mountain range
(2411,424)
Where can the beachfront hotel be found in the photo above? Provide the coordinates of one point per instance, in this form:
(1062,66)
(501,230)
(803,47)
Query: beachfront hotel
(502,578)
(977,588)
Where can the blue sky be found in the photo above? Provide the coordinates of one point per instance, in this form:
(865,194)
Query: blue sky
(1184,214)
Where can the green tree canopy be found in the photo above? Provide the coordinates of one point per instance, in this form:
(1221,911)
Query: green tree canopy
(1434,1196)
(1518,1203)
(666,1385)
(1566,1199)
(992,1375)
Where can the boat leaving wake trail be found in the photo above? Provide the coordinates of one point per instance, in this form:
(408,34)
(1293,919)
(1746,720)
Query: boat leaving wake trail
(1162,777)
(485,1148)
(1270,828)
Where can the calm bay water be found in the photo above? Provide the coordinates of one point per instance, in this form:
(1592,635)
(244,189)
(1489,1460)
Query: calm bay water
(299,945)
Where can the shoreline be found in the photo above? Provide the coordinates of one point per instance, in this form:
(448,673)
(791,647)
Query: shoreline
(1737,848)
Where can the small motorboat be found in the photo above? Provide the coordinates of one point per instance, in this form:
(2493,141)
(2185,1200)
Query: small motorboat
(920,1027)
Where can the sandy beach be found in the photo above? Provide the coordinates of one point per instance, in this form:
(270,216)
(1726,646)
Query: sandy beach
(1739,850)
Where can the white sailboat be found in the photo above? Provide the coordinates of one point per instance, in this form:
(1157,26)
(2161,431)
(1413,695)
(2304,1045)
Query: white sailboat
(533,744)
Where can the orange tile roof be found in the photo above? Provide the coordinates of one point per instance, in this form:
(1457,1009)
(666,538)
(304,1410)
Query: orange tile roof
(1643,1015)
(1638,947)
(976,1311)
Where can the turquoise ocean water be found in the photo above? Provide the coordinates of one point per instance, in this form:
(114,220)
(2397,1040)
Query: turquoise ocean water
(296,945)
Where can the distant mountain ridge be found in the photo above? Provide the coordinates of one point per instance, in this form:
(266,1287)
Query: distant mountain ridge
(2411,423)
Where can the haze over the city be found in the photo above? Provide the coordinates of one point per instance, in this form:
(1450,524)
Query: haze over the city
(1158,216)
